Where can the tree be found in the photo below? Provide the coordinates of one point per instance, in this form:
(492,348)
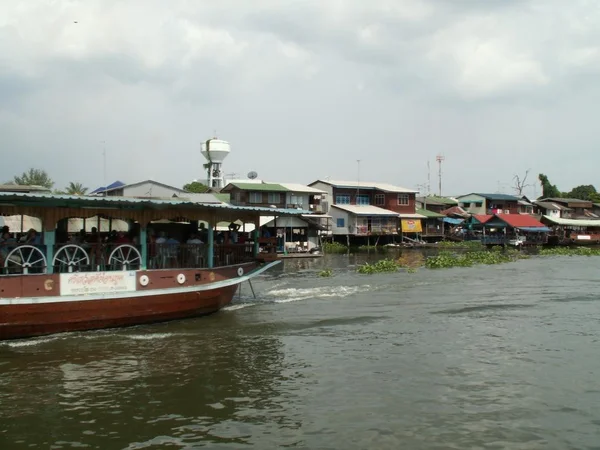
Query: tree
(521,183)
(34,177)
(76,189)
(584,192)
(549,190)
(195,187)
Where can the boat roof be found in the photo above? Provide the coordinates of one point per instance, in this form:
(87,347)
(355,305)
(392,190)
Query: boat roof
(46,200)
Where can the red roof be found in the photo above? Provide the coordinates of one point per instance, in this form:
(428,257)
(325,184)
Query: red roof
(520,220)
(482,218)
(455,211)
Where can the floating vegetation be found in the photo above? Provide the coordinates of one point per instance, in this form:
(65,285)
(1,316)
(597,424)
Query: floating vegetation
(334,247)
(460,244)
(384,265)
(446,260)
(569,251)
(325,273)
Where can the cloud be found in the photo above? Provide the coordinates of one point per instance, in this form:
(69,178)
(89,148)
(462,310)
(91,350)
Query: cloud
(301,89)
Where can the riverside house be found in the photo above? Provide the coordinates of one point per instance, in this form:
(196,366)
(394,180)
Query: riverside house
(478,203)
(363,209)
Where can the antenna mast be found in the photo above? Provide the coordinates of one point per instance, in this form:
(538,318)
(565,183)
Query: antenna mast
(428,179)
(440,159)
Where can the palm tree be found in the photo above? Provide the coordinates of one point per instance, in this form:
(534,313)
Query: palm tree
(76,189)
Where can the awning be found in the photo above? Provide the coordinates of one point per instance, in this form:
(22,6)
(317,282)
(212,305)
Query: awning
(453,221)
(535,229)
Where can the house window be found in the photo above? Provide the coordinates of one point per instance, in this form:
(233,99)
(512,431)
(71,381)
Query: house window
(296,199)
(362,199)
(274,197)
(340,223)
(237,196)
(342,199)
(380,199)
(403,199)
(255,197)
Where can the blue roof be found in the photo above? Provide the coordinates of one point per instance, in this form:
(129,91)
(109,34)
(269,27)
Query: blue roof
(536,229)
(498,196)
(453,221)
(113,185)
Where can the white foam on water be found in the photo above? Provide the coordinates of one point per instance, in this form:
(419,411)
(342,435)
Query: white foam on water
(149,336)
(29,342)
(296,294)
(238,306)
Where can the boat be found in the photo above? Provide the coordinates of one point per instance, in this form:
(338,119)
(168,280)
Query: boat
(53,284)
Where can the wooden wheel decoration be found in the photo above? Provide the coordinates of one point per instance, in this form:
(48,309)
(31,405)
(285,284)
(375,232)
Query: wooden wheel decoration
(71,258)
(25,259)
(126,256)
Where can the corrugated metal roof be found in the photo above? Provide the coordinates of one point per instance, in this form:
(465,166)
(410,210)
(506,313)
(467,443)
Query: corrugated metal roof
(573,222)
(497,196)
(295,187)
(271,187)
(429,214)
(520,220)
(366,185)
(366,210)
(412,216)
(482,218)
(76,201)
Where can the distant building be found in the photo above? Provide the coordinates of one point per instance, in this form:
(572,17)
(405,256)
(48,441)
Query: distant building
(368,208)
(23,188)
(482,204)
(152,189)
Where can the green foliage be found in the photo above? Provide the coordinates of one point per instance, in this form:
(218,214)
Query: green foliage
(326,273)
(75,189)
(446,260)
(384,265)
(334,247)
(584,192)
(549,190)
(195,187)
(570,251)
(34,177)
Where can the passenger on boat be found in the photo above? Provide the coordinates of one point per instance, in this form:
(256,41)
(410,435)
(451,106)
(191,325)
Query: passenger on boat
(203,233)
(233,232)
(31,238)
(265,232)
(194,239)
(7,243)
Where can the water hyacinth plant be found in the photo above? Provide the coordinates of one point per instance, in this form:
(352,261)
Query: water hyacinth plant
(334,247)
(570,251)
(325,273)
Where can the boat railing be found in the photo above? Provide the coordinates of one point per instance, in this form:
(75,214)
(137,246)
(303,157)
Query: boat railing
(86,257)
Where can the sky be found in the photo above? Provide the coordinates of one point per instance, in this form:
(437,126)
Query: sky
(302,90)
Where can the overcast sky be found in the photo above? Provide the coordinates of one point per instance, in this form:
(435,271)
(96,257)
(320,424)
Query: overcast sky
(303,89)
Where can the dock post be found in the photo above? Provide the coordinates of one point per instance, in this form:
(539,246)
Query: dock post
(49,240)
(210,257)
(144,247)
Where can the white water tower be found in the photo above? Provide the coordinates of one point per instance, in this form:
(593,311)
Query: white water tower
(215,151)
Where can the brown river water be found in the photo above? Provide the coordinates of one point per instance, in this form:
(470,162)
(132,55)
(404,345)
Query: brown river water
(489,357)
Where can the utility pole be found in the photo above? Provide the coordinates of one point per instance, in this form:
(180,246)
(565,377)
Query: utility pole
(104,165)
(357,180)
(440,159)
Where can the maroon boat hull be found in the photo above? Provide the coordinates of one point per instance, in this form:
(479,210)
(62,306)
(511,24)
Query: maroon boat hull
(155,304)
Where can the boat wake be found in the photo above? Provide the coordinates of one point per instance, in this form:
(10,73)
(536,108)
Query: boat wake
(295,294)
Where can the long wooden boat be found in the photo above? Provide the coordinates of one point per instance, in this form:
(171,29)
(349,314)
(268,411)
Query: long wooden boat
(51,287)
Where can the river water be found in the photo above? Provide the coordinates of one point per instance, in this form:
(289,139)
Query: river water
(489,357)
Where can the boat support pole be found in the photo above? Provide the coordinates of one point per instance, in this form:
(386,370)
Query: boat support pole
(252,288)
